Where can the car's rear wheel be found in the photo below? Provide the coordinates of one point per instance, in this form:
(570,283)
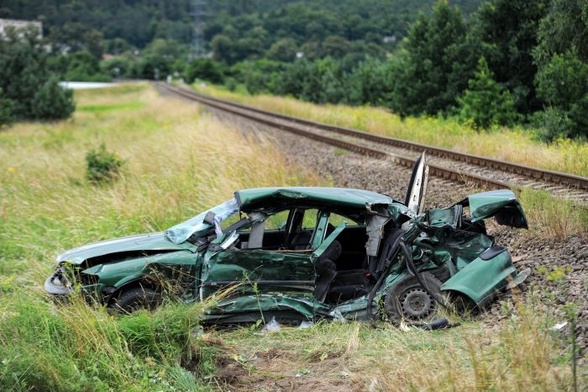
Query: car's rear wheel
(408,300)
(136,298)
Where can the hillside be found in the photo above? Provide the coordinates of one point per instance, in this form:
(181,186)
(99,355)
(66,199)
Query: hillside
(140,22)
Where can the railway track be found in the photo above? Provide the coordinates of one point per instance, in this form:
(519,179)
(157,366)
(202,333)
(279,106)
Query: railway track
(450,165)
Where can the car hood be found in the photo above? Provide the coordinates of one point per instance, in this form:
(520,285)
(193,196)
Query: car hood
(135,243)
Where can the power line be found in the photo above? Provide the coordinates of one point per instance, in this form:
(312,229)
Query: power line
(198,16)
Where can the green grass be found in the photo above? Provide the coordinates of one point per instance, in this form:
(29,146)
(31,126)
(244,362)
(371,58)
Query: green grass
(109,108)
(554,218)
(178,162)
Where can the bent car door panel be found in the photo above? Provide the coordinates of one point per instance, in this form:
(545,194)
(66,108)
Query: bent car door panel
(258,270)
(261,271)
(417,186)
(480,279)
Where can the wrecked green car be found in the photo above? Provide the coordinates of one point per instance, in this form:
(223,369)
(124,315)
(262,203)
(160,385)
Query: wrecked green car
(307,253)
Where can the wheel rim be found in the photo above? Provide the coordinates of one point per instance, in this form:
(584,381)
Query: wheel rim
(417,304)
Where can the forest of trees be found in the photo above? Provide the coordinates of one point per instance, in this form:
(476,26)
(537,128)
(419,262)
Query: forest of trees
(488,63)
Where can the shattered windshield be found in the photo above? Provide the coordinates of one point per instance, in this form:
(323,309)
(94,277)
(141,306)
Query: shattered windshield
(182,231)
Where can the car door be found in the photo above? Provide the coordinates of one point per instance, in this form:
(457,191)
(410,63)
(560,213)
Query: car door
(257,270)
(417,186)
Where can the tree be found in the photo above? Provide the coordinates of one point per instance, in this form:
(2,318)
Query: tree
(222,48)
(204,69)
(74,37)
(369,83)
(283,50)
(26,83)
(486,103)
(6,109)
(564,28)
(563,83)
(508,31)
(426,80)
(562,79)
(52,102)
(83,66)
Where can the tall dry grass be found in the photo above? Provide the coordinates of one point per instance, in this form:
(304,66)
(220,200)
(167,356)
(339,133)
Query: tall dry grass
(513,145)
(178,161)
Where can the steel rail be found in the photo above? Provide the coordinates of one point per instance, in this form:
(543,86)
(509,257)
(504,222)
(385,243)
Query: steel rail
(563,179)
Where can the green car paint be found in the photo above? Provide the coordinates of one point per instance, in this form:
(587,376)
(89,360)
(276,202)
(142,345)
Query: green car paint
(264,271)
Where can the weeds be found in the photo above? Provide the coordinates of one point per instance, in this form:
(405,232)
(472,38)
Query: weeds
(103,166)
(551,217)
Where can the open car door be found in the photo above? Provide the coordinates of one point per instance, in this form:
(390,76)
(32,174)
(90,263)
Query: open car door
(417,186)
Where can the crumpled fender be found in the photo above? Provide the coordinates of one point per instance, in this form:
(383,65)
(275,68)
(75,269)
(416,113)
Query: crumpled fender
(481,279)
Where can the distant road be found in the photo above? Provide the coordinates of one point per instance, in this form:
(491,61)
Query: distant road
(84,85)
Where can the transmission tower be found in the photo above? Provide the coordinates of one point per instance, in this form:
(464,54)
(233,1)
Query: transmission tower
(199,15)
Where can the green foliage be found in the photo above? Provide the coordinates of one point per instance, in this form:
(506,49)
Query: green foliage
(102,166)
(204,69)
(6,109)
(74,347)
(260,76)
(507,31)
(426,80)
(283,50)
(370,83)
(73,37)
(117,67)
(485,103)
(564,28)
(152,67)
(563,84)
(82,66)
(29,89)
(349,49)
(52,102)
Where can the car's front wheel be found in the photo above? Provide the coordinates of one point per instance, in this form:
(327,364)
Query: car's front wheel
(408,300)
(137,298)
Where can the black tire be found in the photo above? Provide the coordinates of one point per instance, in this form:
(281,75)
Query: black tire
(137,298)
(408,300)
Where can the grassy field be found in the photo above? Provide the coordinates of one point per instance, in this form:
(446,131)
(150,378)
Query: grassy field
(179,161)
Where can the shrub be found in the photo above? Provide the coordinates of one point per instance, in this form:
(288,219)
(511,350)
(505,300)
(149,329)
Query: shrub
(103,166)
(52,102)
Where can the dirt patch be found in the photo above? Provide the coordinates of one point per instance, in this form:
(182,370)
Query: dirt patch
(279,370)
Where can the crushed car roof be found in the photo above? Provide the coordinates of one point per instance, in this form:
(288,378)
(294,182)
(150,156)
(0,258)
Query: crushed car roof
(250,199)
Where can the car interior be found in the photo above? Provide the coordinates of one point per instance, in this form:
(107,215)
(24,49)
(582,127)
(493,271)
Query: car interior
(341,271)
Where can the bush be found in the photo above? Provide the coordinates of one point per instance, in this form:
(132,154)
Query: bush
(103,166)
(52,102)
